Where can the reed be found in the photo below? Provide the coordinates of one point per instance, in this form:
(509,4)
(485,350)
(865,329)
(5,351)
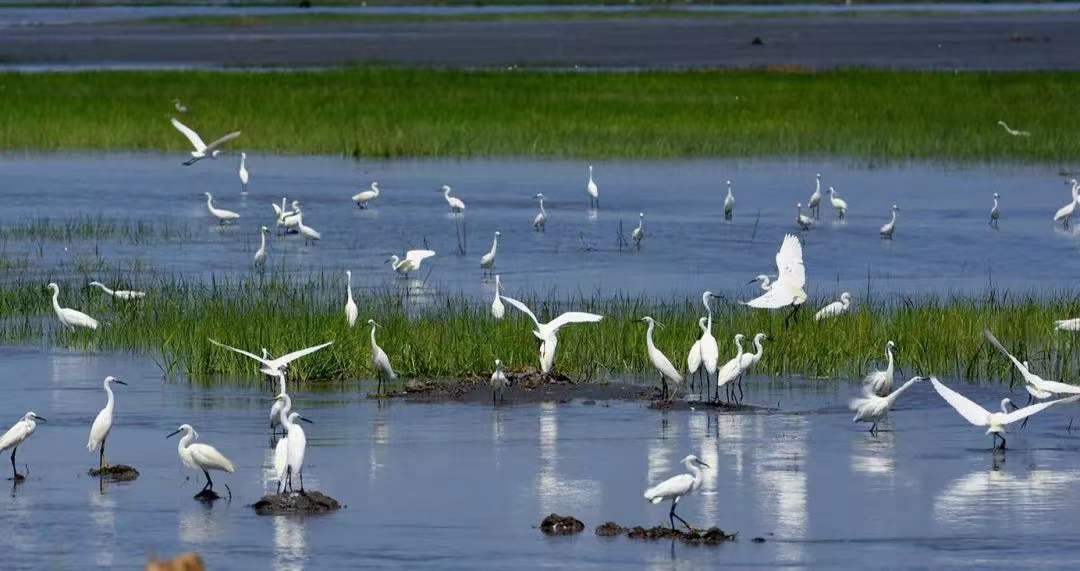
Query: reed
(94,228)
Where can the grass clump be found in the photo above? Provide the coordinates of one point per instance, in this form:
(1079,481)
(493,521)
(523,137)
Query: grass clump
(94,228)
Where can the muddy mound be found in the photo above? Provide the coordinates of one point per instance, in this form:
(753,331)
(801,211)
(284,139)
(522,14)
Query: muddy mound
(117,473)
(711,536)
(556,524)
(609,529)
(296,503)
(659,404)
(210,495)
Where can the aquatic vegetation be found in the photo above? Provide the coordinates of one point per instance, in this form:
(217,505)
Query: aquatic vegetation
(94,228)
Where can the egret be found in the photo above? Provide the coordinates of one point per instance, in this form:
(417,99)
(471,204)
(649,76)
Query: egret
(202,150)
(289,452)
(765,282)
(363,198)
(546,332)
(223,216)
(278,404)
(16,435)
(499,384)
(995,213)
(676,487)
(639,233)
(814,204)
(487,261)
(99,431)
(290,221)
(873,409)
(1067,324)
(880,382)
(997,421)
(124,294)
(729,203)
(260,254)
(180,107)
(732,369)
(243,172)
(275,367)
(803,221)
(310,234)
(351,312)
(1064,214)
(411,262)
(710,352)
(667,371)
(539,223)
(1013,132)
(497,309)
(787,290)
(748,361)
(456,205)
(593,191)
(835,308)
(1037,387)
(70,318)
(379,361)
(199,456)
(890,226)
(693,358)
(839,204)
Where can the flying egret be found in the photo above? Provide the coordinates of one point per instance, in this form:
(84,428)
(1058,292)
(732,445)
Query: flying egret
(814,204)
(546,332)
(292,446)
(748,361)
(539,223)
(260,255)
(363,198)
(839,204)
(667,371)
(487,261)
(732,369)
(243,172)
(890,226)
(873,409)
(995,213)
(880,382)
(497,308)
(835,308)
(1067,324)
(593,191)
(411,262)
(803,221)
(729,203)
(765,282)
(124,294)
(1037,387)
(787,290)
(99,430)
(16,435)
(199,456)
(455,203)
(676,487)
(274,367)
(351,312)
(997,421)
(202,150)
(1065,213)
(1013,132)
(310,234)
(499,384)
(379,361)
(693,358)
(70,318)
(223,216)
(180,107)
(639,233)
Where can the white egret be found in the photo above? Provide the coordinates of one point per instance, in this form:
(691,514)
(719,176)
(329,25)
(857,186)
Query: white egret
(497,308)
(839,204)
(593,191)
(1065,213)
(180,107)
(748,361)
(787,290)
(873,409)
(274,367)
(732,369)
(499,384)
(676,487)
(693,358)
(1067,324)
(365,197)
(260,255)
(729,203)
(278,404)
(223,216)
(289,452)
(539,223)
(99,430)
(290,221)
(803,221)
(70,318)
(487,261)
(1013,132)
(124,294)
(202,150)
(996,421)
(890,226)
(310,234)
(765,281)
(455,203)
(814,204)
(835,308)
(16,435)
(663,365)
(379,361)
(639,233)
(1037,387)
(546,332)
(243,172)
(710,351)
(351,312)
(880,382)
(411,262)
(199,456)
(995,212)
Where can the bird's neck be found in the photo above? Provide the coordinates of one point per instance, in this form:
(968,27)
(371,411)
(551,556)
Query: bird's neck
(373,345)
(758,348)
(56,300)
(696,473)
(738,347)
(262,240)
(185,440)
(889,356)
(109,399)
(895,394)
(648,334)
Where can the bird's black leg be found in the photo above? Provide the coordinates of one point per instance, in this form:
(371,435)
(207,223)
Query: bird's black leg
(209,483)
(740,389)
(873,428)
(101,457)
(302,481)
(663,387)
(1031,399)
(14,474)
(671,516)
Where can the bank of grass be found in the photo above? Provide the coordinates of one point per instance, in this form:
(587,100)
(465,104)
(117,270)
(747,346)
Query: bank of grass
(93,228)
(388,112)
(452,337)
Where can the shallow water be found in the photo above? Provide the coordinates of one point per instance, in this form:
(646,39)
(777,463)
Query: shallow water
(942,243)
(450,486)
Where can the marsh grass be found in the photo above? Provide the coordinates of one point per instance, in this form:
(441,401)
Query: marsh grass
(94,228)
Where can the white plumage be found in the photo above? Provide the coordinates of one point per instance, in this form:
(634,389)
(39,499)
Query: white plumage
(835,308)
(803,221)
(1038,387)
(676,487)
(995,212)
(1013,132)
(411,262)
(455,203)
(379,361)
(880,382)
(351,313)
(1065,213)
(873,409)
(499,383)
(710,351)
(260,255)
(546,332)
(890,227)
(199,456)
(663,365)
(16,435)
(126,295)
(497,308)
(693,358)
(275,367)
(309,233)
(540,221)
(290,450)
(814,204)
(733,368)
(243,172)
(102,426)
(487,261)
(838,204)
(202,150)
(592,190)
(1067,324)
(748,361)
(223,216)
(788,288)
(365,197)
(729,203)
(70,318)
(639,233)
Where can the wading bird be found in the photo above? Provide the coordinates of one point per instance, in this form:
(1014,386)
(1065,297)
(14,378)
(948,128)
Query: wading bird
(223,216)
(199,456)
(365,197)
(243,172)
(835,308)
(487,261)
(765,282)
(890,226)
(274,367)
(667,371)
(1037,387)
(787,290)
(996,421)
(546,332)
(499,384)
(202,150)
(1065,213)
(455,203)
(693,358)
(540,222)
(291,447)
(803,221)
(1067,324)
(639,233)
(710,352)
(729,203)
(995,212)
(1013,132)
(310,234)
(16,435)
(675,488)
(124,294)
(260,255)
(379,361)
(99,430)
(748,361)
(70,318)
(180,107)
(880,382)
(411,262)
(497,308)
(351,312)
(593,191)
(814,204)
(873,409)
(276,406)
(838,204)
(730,370)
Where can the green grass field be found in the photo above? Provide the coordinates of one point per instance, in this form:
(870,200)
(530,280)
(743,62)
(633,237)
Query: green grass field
(381,112)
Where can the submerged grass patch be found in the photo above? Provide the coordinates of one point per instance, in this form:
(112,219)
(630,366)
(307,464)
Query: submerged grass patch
(94,228)
(385,112)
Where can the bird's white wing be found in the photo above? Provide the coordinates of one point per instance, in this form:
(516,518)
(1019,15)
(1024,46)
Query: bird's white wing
(993,341)
(209,457)
(774,298)
(572,317)
(269,364)
(277,210)
(1068,324)
(289,357)
(417,256)
(693,359)
(17,433)
(789,263)
(829,310)
(281,453)
(971,412)
(1059,388)
(223,140)
(196,140)
(522,308)
(674,486)
(1029,410)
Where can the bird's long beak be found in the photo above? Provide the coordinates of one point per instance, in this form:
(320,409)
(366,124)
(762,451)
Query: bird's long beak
(307,420)
(173,433)
(751,281)
(704,464)
(41,418)
(119,381)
